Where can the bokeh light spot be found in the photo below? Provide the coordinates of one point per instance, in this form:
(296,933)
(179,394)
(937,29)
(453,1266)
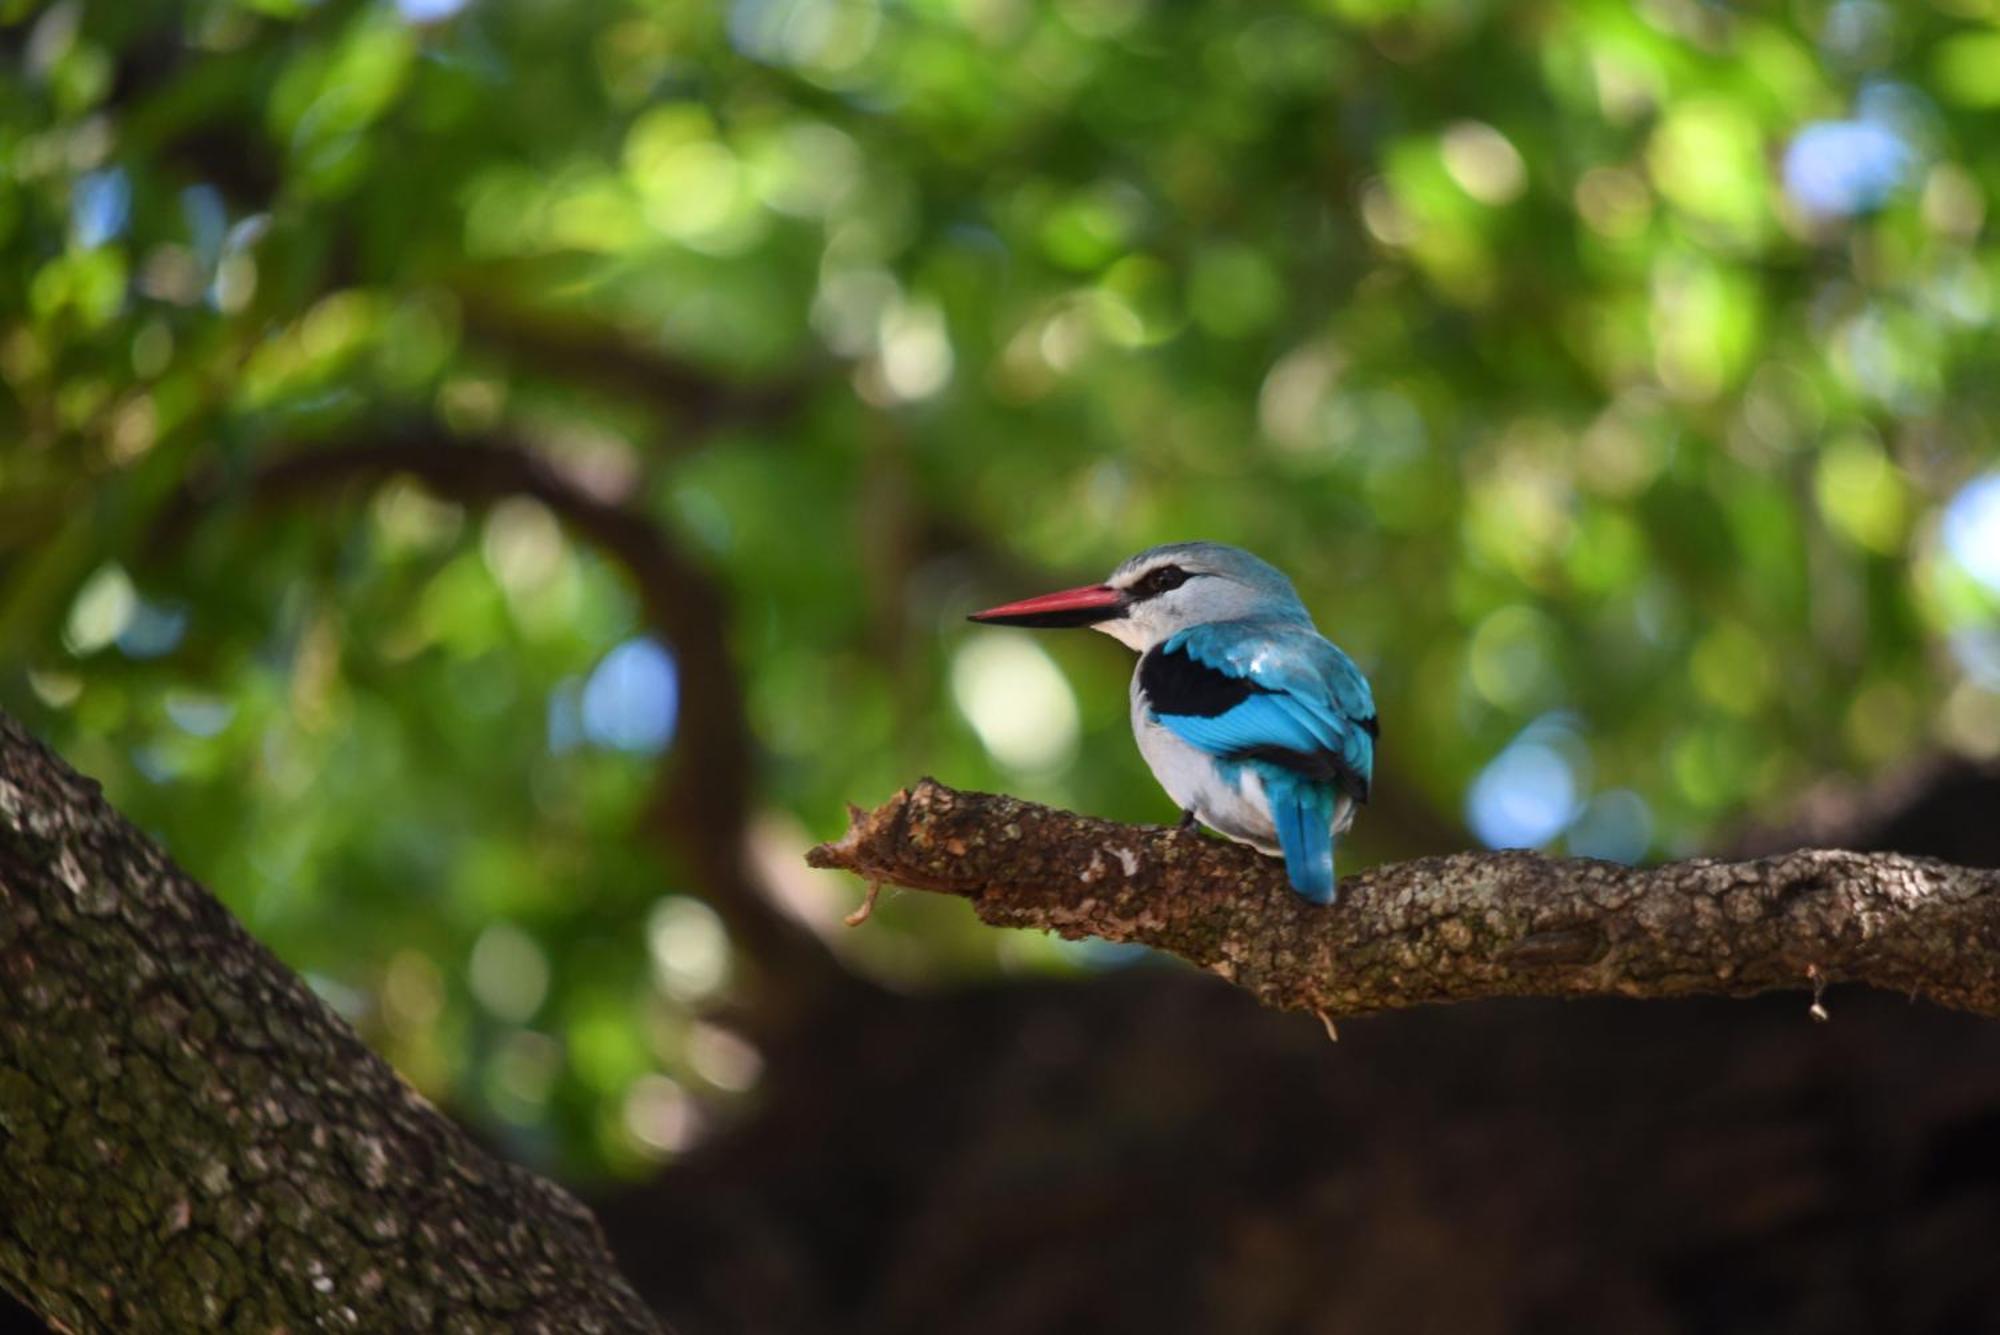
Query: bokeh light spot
(153,630)
(104,606)
(1841,168)
(659,1115)
(428,11)
(826,36)
(100,206)
(199,715)
(1017,700)
(688,946)
(916,351)
(1861,493)
(722,1058)
(522,545)
(632,698)
(1972,529)
(1483,163)
(508,973)
(1530,792)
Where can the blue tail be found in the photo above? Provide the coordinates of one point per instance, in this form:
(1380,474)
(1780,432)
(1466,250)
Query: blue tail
(1303,812)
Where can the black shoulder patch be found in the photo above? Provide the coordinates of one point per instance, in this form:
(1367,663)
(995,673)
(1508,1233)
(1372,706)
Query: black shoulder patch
(1372,727)
(1174,683)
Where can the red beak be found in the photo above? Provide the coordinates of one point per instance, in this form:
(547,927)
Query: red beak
(1072,607)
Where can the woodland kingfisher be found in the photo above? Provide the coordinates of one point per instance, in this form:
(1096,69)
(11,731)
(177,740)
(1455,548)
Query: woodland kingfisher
(1254,723)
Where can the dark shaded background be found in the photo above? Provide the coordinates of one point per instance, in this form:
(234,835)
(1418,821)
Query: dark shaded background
(1150,1151)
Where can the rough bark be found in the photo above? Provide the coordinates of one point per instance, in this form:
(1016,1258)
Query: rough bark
(1455,928)
(191,1140)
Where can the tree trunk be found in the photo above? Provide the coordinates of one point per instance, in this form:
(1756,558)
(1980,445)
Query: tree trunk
(191,1140)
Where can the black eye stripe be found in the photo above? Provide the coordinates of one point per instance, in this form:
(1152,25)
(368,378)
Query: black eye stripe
(1160,580)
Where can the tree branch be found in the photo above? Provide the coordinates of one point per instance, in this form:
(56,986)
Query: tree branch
(580,351)
(191,1140)
(701,805)
(1457,928)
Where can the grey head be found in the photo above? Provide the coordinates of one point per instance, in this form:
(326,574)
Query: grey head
(1169,588)
(1163,590)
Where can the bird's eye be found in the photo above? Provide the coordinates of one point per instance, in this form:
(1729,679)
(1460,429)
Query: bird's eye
(1160,579)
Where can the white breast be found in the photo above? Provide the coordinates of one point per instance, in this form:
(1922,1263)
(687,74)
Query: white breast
(1233,805)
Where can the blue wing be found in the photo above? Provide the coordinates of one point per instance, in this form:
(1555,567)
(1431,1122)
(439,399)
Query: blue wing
(1279,698)
(1276,692)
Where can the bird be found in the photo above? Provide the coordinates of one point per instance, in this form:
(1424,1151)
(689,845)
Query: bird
(1255,724)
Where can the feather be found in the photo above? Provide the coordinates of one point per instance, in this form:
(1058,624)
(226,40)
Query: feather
(1272,692)
(1303,812)
(1175,682)
(1270,695)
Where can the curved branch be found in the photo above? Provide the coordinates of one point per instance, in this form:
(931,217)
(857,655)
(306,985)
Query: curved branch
(702,803)
(603,357)
(191,1140)
(1455,928)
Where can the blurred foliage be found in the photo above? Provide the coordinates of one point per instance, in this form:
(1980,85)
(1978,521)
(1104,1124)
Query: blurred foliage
(1617,382)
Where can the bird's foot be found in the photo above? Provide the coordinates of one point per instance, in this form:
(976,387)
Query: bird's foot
(1187,820)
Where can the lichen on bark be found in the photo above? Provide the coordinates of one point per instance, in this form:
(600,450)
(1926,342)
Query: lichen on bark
(191,1140)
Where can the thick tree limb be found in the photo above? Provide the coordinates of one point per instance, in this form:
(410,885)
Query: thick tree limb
(1455,928)
(191,1140)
